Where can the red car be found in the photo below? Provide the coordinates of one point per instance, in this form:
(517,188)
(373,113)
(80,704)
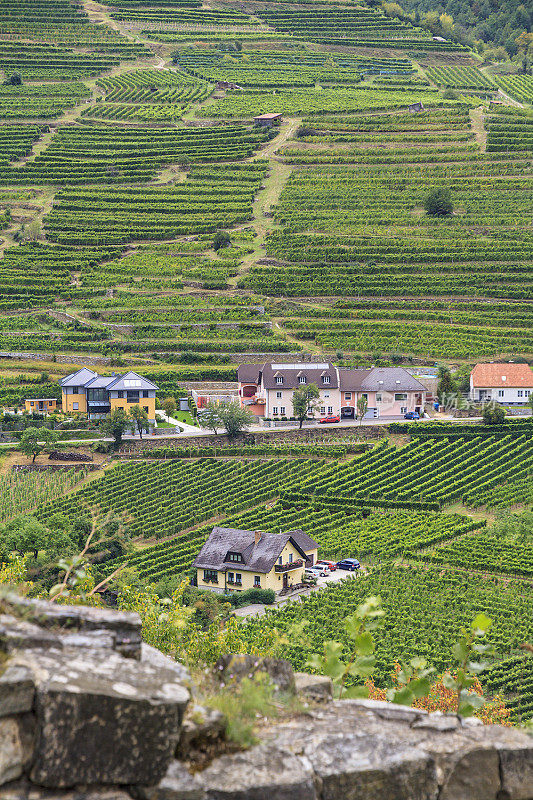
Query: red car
(331,564)
(330,418)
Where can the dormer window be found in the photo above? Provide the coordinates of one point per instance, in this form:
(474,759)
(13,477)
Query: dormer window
(326,379)
(302,379)
(279,378)
(235,557)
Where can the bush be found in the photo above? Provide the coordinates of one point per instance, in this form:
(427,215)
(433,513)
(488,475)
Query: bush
(438,203)
(493,414)
(265,596)
(221,240)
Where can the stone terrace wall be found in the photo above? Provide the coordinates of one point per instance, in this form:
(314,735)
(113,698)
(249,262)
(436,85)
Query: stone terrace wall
(88,712)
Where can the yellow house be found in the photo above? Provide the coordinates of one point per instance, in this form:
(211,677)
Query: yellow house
(41,406)
(236,560)
(86,392)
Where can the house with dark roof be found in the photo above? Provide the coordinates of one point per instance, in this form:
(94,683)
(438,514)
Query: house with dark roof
(267,389)
(236,560)
(504,383)
(86,392)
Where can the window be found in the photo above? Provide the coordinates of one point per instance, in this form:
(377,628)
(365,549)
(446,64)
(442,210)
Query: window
(326,379)
(302,379)
(279,378)
(279,395)
(322,409)
(145,408)
(257,581)
(231,577)
(75,406)
(326,395)
(210,576)
(275,411)
(238,579)
(282,410)
(232,556)
(520,393)
(120,394)
(330,409)
(527,392)
(31,402)
(379,397)
(132,397)
(500,392)
(290,558)
(75,390)
(280,560)
(403,410)
(399,396)
(146,393)
(347,395)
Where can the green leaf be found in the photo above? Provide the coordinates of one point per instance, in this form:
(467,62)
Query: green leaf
(420,687)
(355,693)
(403,697)
(352,626)
(481,624)
(364,643)
(460,651)
(449,681)
(418,663)
(478,667)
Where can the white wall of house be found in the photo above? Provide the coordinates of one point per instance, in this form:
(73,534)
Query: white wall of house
(502,394)
(279,402)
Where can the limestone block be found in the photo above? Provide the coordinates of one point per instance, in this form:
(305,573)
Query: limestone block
(16,747)
(314,687)
(177,784)
(16,690)
(236,667)
(265,772)
(102,719)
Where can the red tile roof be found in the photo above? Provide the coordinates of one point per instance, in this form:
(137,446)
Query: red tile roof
(492,375)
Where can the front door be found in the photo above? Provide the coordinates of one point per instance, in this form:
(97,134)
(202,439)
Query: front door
(285,580)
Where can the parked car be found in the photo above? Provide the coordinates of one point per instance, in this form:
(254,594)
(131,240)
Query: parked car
(412,415)
(350,564)
(318,572)
(329,564)
(330,418)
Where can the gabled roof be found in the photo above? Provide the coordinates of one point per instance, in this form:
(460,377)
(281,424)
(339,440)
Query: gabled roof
(249,373)
(291,372)
(492,375)
(79,378)
(259,557)
(130,381)
(379,379)
(100,382)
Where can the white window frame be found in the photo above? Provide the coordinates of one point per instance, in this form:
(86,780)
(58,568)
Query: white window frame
(322,409)
(326,379)
(501,392)
(279,378)
(520,393)
(282,411)
(302,379)
(330,409)
(403,409)
(75,406)
(347,395)
(379,397)
(279,395)
(275,411)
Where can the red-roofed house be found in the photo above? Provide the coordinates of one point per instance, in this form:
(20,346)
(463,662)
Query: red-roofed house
(505,383)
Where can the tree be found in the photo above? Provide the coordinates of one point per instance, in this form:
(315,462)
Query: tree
(305,400)
(438,203)
(140,419)
(27,535)
(221,240)
(115,424)
(493,414)
(15,79)
(209,417)
(446,386)
(362,408)
(34,440)
(169,406)
(235,418)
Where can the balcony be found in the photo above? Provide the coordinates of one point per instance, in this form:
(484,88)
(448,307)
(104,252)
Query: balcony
(290,565)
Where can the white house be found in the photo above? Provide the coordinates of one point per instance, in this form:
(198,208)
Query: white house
(504,383)
(267,389)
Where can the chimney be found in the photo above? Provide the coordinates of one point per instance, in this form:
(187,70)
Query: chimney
(258,535)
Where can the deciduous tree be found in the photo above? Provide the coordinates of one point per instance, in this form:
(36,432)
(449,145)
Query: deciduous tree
(305,400)
(35,440)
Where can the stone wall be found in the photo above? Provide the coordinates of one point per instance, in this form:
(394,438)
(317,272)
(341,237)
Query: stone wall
(89,712)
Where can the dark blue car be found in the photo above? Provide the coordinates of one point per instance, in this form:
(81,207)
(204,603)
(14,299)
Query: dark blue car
(350,564)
